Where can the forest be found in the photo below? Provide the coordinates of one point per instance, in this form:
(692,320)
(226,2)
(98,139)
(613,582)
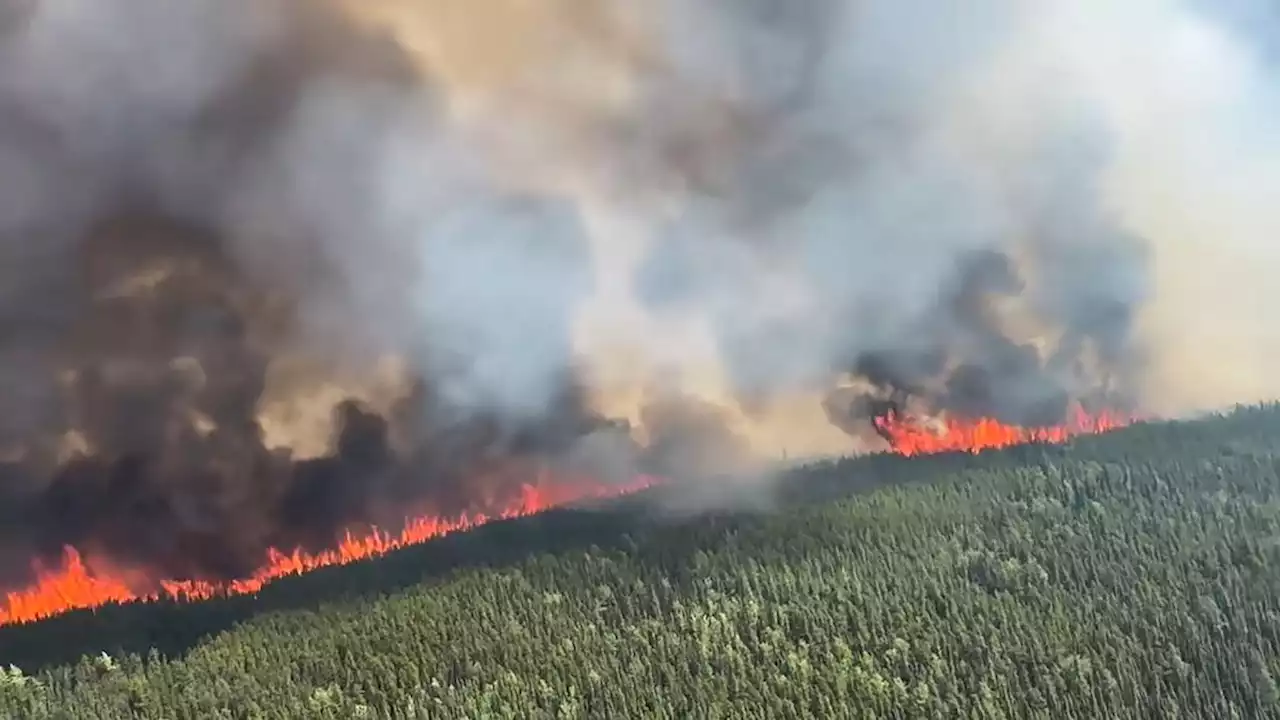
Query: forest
(1124,575)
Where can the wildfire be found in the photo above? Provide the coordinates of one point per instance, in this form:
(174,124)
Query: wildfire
(75,585)
(911,438)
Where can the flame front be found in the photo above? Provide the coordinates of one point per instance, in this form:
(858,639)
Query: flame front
(74,585)
(911,438)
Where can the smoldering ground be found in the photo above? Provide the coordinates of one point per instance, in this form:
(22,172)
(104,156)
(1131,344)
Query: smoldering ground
(273,269)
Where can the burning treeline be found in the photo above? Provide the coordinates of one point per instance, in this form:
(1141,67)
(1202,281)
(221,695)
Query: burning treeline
(277,269)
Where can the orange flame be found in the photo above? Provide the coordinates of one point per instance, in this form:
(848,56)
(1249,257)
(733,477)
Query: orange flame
(910,438)
(74,585)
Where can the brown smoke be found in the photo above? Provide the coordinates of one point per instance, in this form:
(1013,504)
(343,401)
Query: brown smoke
(188,382)
(160,454)
(270,269)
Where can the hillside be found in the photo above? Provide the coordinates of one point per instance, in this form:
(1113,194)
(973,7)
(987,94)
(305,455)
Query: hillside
(1132,574)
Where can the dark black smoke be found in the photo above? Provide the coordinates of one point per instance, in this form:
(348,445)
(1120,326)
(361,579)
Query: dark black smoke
(138,328)
(159,367)
(962,362)
(159,267)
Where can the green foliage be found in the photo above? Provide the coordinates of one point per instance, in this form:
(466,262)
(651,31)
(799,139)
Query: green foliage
(1128,575)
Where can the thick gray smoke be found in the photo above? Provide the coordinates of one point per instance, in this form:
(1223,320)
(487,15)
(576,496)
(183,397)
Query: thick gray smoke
(782,198)
(268,264)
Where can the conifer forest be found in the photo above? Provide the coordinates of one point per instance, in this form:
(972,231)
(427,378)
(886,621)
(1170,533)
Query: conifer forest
(1134,574)
(635,360)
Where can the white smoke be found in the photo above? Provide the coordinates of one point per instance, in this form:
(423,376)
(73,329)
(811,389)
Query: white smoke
(725,201)
(770,188)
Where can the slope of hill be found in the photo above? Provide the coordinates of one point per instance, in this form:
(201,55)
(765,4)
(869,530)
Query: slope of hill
(1134,574)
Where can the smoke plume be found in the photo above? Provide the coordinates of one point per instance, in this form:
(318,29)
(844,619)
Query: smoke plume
(275,268)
